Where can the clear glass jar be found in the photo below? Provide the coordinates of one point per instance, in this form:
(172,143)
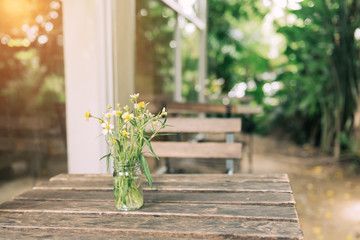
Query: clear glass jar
(128,190)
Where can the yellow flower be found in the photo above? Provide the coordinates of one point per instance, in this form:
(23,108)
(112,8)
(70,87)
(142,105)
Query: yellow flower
(117,113)
(141,104)
(87,115)
(127,116)
(163,112)
(125,133)
(108,115)
(109,106)
(155,123)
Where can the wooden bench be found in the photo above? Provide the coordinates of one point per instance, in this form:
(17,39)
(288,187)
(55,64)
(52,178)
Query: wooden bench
(177,108)
(224,152)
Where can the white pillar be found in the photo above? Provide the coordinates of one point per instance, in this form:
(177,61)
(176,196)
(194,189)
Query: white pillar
(178,61)
(89,79)
(202,51)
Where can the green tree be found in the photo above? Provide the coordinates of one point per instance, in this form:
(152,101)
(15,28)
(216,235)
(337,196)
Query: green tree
(234,50)
(321,76)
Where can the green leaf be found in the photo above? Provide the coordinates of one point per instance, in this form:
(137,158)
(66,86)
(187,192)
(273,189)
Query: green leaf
(125,189)
(165,120)
(146,170)
(107,156)
(119,145)
(150,147)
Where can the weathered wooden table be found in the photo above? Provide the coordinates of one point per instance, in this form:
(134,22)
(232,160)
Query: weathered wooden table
(245,206)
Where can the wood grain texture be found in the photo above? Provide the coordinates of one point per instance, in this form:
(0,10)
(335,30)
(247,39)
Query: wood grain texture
(268,199)
(195,150)
(243,177)
(170,210)
(35,234)
(209,206)
(203,125)
(152,226)
(213,186)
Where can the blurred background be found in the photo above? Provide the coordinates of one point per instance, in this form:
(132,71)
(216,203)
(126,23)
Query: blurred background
(298,60)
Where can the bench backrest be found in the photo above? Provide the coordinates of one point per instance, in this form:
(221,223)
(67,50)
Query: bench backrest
(195,108)
(199,150)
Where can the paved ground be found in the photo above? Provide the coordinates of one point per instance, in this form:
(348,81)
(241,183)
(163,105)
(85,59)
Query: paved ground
(326,193)
(327,196)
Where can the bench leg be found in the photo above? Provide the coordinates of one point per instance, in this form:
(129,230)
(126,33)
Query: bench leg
(250,151)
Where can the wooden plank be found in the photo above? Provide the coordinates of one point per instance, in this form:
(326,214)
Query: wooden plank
(170,210)
(201,165)
(195,108)
(174,107)
(195,150)
(246,109)
(36,234)
(269,199)
(213,186)
(154,226)
(203,125)
(243,177)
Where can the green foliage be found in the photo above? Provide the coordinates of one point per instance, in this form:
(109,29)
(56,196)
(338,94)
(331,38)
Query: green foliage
(234,51)
(321,75)
(318,68)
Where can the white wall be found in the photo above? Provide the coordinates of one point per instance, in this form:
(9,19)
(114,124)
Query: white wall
(87,77)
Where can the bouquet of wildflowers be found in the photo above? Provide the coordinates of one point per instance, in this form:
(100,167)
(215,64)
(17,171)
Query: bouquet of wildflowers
(127,131)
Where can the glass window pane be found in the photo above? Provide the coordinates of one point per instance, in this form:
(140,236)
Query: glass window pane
(190,57)
(155,44)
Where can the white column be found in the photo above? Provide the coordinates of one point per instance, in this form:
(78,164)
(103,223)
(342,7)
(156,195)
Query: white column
(202,51)
(178,64)
(89,79)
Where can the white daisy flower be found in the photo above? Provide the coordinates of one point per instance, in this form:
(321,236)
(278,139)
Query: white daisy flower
(134,96)
(127,116)
(107,128)
(109,115)
(163,112)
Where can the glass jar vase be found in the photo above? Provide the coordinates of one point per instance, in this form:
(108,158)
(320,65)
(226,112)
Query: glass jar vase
(128,190)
